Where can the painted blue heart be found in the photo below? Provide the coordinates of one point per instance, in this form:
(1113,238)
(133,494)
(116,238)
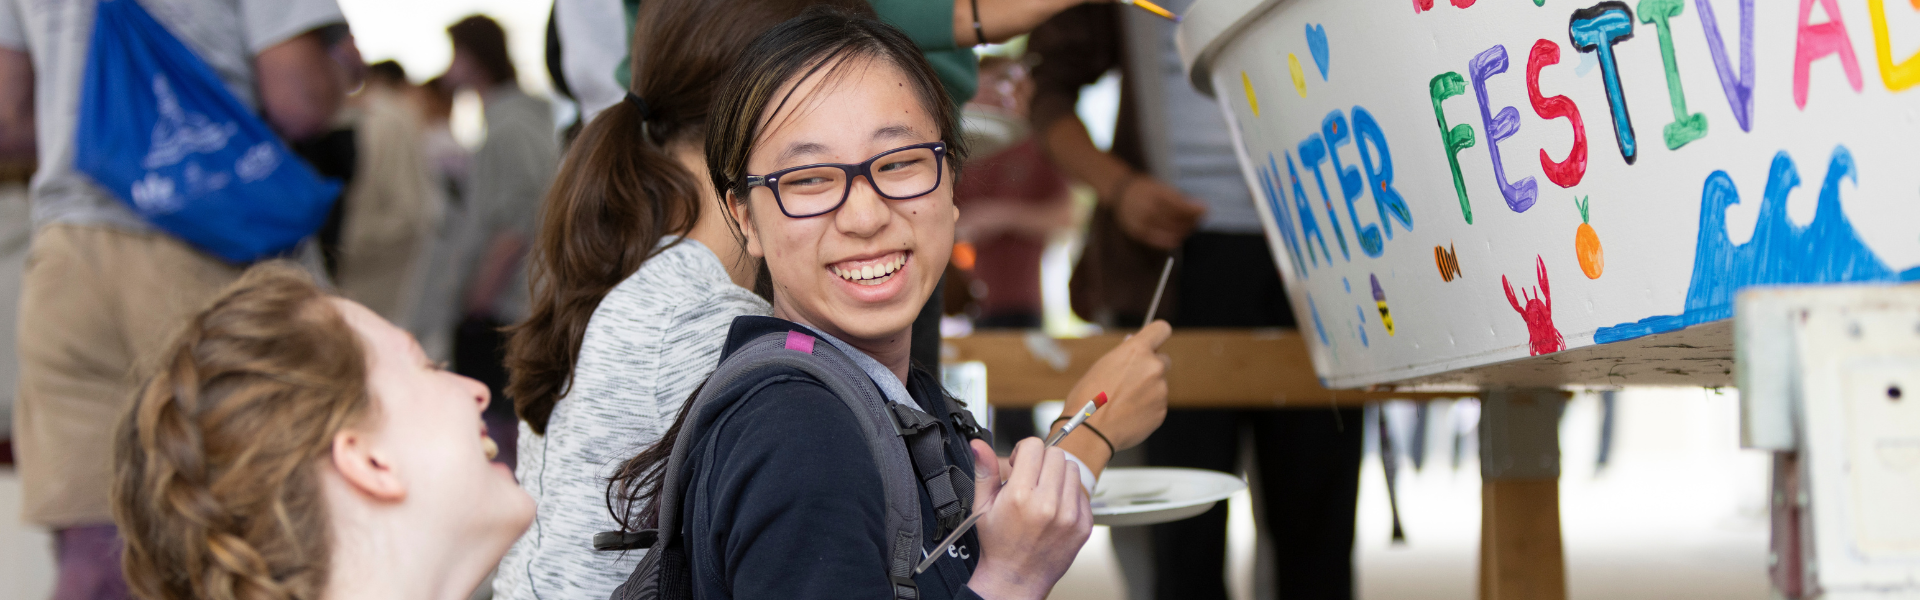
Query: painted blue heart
(1317,43)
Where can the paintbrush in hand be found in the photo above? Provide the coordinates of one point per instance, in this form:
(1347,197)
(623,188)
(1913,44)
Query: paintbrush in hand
(1098,401)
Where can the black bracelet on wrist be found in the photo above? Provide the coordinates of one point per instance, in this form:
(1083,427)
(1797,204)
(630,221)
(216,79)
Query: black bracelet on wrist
(1096,432)
(978,33)
(1103,438)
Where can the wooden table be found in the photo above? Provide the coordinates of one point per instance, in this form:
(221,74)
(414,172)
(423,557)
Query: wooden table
(1212,368)
(1521,553)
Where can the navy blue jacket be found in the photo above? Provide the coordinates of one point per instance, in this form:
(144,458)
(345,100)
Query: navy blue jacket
(792,505)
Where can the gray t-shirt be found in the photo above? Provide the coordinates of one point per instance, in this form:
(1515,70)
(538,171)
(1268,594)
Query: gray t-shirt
(502,192)
(511,172)
(650,342)
(1199,146)
(227,34)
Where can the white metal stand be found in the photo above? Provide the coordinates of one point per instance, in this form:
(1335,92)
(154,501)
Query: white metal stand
(1830,381)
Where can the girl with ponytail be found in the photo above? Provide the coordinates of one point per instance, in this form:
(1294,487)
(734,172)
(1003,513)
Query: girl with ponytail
(638,272)
(294,445)
(636,277)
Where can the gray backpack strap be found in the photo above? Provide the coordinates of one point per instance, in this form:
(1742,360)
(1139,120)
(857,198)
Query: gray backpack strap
(665,569)
(950,488)
(827,364)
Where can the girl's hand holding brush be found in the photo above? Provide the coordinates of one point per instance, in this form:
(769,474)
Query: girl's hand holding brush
(1031,526)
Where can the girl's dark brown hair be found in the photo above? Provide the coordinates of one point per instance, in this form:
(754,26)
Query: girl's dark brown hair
(216,465)
(818,43)
(619,191)
(483,39)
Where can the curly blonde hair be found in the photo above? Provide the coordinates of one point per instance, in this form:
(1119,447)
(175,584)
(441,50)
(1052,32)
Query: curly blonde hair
(216,464)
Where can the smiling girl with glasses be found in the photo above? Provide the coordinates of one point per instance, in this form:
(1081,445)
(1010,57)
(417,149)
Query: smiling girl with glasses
(639,274)
(835,148)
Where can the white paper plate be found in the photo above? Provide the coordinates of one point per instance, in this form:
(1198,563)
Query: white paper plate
(1149,495)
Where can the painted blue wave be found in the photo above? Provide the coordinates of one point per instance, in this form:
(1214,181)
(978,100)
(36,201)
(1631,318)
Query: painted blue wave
(1780,253)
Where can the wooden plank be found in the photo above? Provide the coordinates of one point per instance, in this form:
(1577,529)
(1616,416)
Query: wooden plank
(1223,368)
(1521,554)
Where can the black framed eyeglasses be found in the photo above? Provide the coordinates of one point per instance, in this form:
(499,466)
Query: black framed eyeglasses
(902,173)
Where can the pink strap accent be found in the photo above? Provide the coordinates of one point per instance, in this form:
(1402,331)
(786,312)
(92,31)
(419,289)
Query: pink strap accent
(799,342)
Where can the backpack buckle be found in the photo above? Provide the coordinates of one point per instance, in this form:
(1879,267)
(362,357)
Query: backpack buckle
(625,540)
(904,588)
(908,422)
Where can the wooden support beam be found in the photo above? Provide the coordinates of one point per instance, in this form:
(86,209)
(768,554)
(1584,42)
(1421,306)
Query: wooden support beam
(1521,556)
(1212,368)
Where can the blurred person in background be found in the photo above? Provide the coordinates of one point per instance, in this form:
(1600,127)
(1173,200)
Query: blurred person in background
(1172,185)
(16,106)
(105,289)
(16,109)
(500,211)
(334,153)
(16,228)
(435,313)
(586,45)
(1010,203)
(452,162)
(16,233)
(394,204)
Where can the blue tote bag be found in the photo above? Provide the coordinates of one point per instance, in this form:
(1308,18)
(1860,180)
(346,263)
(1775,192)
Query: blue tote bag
(159,129)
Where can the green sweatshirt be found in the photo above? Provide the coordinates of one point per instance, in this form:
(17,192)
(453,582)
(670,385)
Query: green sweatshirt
(930,24)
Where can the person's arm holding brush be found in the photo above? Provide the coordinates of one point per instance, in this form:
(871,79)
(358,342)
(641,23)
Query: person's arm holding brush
(1134,376)
(1076,49)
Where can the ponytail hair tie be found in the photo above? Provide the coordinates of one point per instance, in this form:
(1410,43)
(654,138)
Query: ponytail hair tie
(640,105)
(646,115)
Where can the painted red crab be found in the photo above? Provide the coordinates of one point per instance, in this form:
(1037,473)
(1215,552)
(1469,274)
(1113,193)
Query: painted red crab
(1538,312)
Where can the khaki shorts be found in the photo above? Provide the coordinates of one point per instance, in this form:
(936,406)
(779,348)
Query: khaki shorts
(97,303)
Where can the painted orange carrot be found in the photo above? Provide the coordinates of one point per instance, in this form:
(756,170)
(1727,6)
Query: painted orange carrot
(1586,244)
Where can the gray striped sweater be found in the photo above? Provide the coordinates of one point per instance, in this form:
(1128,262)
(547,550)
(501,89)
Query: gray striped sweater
(653,339)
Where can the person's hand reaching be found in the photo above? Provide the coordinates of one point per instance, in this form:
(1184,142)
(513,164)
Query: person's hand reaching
(1155,213)
(1134,376)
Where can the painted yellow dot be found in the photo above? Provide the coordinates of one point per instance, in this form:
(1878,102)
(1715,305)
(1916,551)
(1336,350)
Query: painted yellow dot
(1299,77)
(1252,100)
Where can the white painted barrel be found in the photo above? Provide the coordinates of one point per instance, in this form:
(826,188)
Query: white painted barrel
(1453,188)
